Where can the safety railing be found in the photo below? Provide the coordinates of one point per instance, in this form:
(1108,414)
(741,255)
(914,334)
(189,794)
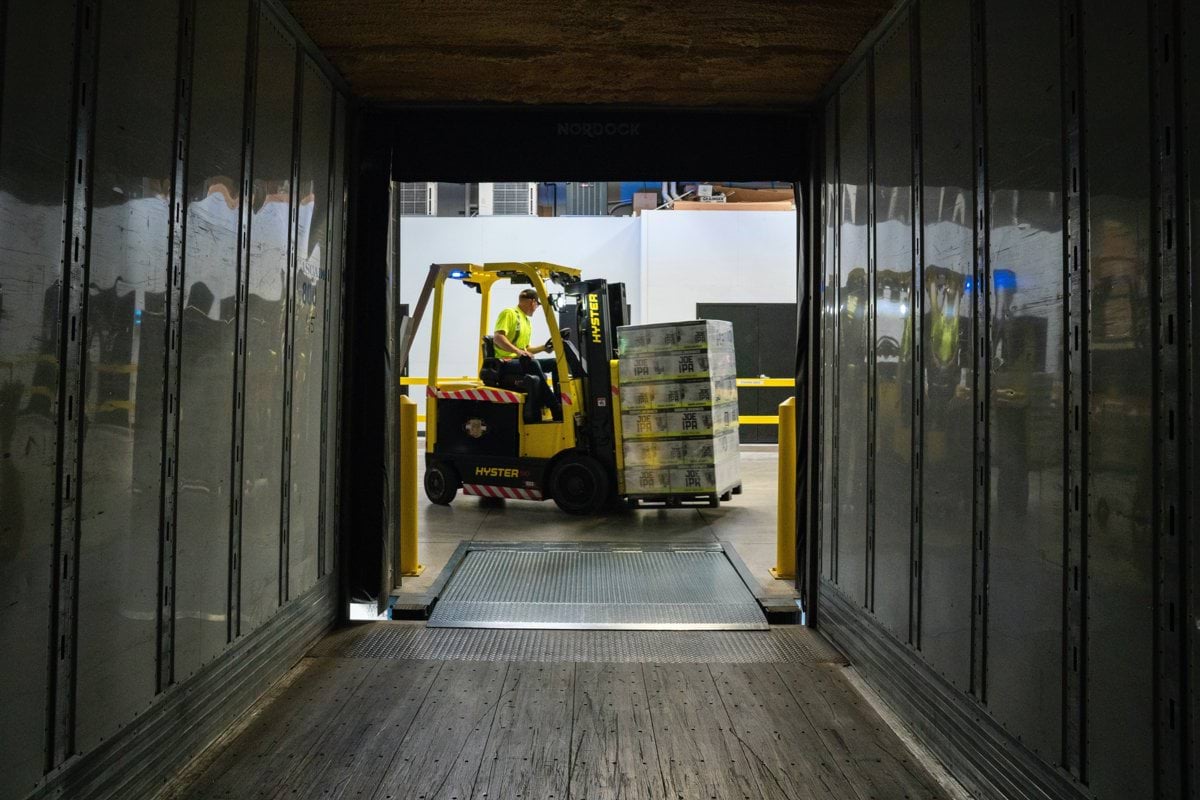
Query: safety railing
(785,524)
(406,562)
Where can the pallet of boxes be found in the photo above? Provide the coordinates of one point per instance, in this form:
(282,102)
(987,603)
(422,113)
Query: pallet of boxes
(679,413)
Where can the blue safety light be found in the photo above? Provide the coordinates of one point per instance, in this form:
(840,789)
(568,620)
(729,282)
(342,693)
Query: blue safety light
(137,316)
(1005,280)
(458,274)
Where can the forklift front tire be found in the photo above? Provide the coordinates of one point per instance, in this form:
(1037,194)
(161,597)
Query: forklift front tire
(441,484)
(579,484)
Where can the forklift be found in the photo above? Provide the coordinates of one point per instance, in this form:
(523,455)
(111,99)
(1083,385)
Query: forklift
(527,428)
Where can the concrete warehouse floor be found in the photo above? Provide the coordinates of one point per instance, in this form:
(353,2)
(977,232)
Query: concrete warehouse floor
(747,523)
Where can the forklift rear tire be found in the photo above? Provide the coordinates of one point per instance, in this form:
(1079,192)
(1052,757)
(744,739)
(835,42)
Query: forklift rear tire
(441,484)
(579,484)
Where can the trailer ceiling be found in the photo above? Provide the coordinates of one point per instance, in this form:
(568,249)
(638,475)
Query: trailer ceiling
(630,52)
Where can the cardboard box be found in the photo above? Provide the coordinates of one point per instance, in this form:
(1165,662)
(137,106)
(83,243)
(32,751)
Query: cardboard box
(679,413)
(716,479)
(663,424)
(644,201)
(700,205)
(701,451)
(645,369)
(741,194)
(702,335)
(678,394)
(647,481)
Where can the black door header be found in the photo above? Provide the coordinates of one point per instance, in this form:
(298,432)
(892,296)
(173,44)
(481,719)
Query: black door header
(513,143)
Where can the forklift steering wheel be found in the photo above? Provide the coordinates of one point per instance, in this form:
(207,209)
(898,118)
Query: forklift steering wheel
(565,333)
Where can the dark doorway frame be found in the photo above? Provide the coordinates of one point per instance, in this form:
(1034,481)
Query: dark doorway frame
(498,143)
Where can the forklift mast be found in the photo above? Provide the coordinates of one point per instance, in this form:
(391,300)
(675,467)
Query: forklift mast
(598,311)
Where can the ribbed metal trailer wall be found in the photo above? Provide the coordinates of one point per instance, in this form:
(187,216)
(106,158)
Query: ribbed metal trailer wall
(1007,458)
(171,224)
(1004,464)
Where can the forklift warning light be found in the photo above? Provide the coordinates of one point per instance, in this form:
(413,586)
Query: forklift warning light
(458,274)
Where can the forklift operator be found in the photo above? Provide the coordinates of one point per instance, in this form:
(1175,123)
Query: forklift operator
(514,327)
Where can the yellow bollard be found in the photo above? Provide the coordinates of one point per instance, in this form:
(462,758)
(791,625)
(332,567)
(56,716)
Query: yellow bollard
(409,566)
(785,531)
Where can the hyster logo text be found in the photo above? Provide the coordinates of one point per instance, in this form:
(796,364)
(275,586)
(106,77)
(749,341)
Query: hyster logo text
(594,317)
(497,472)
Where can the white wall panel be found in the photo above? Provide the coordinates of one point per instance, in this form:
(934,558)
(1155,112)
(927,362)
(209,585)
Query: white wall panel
(607,247)
(668,260)
(716,257)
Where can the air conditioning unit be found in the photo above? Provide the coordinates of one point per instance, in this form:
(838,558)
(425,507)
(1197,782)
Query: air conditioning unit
(507,199)
(418,199)
(587,199)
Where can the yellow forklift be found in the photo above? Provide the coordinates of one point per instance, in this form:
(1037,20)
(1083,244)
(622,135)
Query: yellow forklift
(527,428)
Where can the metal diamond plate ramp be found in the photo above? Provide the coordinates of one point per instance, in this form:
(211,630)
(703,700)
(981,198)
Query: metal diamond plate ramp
(597,590)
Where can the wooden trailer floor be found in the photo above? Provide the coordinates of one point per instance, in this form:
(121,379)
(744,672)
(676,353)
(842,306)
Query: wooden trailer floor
(392,711)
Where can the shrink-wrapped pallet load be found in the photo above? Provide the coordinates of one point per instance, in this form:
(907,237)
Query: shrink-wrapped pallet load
(679,415)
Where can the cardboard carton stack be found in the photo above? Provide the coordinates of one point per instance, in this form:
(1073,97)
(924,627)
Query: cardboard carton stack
(679,415)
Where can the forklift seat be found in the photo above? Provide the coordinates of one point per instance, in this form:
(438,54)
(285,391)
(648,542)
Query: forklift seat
(524,375)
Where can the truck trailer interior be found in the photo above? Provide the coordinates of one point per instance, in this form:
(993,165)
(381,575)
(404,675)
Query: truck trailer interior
(252,547)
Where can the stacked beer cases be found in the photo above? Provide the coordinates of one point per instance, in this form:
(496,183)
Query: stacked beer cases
(679,414)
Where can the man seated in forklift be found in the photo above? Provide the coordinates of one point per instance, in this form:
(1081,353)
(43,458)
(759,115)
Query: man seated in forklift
(510,342)
(514,327)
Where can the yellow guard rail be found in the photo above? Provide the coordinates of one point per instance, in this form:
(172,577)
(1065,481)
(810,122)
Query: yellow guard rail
(743,383)
(408,563)
(785,526)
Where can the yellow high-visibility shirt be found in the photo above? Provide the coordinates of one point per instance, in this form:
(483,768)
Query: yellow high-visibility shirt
(517,327)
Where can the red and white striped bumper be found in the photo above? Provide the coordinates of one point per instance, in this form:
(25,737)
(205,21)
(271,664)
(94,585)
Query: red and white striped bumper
(489,395)
(507,492)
